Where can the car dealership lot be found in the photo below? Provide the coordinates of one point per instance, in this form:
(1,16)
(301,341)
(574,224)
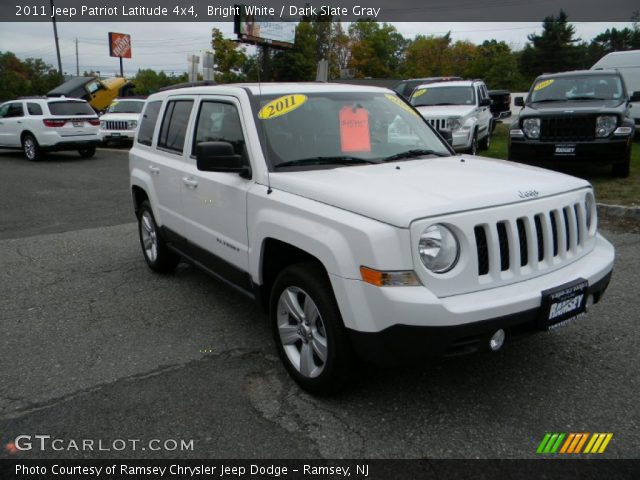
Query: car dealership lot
(96,346)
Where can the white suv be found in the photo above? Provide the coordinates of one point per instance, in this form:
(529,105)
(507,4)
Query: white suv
(463,107)
(38,125)
(345,215)
(121,119)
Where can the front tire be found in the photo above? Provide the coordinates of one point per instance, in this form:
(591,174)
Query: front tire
(485,143)
(473,149)
(31,148)
(87,152)
(308,330)
(154,249)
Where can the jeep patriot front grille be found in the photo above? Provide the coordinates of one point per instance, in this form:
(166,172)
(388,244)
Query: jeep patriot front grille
(512,245)
(568,128)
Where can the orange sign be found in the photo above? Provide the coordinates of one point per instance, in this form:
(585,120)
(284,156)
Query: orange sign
(119,45)
(354,130)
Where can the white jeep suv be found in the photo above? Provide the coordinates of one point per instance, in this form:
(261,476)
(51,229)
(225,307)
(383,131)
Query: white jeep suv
(359,230)
(121,120)
(38,125)
(463,107)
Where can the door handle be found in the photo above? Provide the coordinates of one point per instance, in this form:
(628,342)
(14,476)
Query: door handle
(190,182)
(154,170)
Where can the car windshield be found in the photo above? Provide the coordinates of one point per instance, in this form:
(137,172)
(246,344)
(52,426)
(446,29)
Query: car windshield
(577,87)
(126,106)
(343,128)
(431,96)
(70,108)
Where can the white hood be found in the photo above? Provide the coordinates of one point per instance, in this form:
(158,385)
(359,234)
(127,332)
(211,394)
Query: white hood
(439,111)
(425,187)
(120,117)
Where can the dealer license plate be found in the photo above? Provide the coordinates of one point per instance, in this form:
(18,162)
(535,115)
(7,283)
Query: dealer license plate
(78,124)
(115,134)
(563,303)
(564,150)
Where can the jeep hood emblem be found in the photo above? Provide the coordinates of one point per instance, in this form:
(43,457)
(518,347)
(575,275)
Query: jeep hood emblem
(528,194)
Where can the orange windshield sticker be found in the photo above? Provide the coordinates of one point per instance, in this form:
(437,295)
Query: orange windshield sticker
(354,130)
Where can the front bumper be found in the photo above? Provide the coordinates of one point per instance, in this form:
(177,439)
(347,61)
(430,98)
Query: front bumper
(398,323)
(596,152)
(115,135)
(461,139)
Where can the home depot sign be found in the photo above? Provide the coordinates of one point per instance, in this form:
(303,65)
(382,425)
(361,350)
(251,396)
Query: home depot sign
(119,45)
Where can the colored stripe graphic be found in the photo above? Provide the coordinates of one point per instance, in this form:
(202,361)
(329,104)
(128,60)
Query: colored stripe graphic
(573,443)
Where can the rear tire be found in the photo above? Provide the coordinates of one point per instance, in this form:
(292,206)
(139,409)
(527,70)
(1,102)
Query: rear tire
(31,148)
(87,152)
(308,330)
(154,249)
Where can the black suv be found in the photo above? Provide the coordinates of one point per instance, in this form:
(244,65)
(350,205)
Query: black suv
(406,87)
(575,118)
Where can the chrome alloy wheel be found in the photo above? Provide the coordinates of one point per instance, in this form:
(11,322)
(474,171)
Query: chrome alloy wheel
(149,236)
(302,332)
(30,148)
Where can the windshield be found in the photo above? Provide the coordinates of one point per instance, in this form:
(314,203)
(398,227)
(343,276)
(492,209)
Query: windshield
(126,106)
(427,97)
(70,108)
(356,127)
(577,87)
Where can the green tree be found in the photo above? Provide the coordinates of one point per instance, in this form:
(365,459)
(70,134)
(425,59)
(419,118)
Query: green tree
(377,51)
(497,65)
(29,77)
(230,58)
(427,56)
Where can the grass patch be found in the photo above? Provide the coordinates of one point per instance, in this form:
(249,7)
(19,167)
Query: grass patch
(609,189)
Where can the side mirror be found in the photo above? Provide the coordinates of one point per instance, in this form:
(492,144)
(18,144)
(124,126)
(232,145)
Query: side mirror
(518,101)
(635,97)
(485,102)
(220,157)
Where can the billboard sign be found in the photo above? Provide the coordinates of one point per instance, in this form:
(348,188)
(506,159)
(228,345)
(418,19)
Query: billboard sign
(119,45)
(251,29)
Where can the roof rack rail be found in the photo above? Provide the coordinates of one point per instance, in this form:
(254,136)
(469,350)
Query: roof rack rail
(200,83)
(32,97)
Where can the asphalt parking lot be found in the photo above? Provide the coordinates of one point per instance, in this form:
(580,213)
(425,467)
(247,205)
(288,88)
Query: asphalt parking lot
(96,346)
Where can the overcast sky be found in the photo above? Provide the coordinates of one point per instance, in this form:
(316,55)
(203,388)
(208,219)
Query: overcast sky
(164,46)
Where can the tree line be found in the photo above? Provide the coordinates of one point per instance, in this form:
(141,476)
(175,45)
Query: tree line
(367,49)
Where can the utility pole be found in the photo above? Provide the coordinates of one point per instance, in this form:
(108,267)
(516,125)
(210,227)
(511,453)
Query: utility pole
(55,35)
(77,60)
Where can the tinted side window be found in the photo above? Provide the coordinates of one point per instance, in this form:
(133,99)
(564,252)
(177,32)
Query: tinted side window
(15,110)
(4,109)
(174,125)
(219,122)
(34,109)
(148,124)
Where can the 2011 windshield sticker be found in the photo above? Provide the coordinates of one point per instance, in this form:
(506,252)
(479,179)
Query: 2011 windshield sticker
(417,93)
(543,84)
(400,103)
(281,106)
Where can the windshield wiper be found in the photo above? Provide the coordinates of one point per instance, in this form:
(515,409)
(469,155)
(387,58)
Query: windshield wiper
(337,160)
(415,153)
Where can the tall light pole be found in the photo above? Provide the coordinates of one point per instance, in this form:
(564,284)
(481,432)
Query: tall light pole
(55,35)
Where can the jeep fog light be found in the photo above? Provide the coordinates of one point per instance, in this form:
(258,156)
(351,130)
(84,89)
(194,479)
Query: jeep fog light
(497,340)
(531,127)
(397,278)
(438,248)
(605,124)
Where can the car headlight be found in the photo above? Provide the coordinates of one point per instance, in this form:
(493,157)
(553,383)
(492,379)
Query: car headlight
(531,127)
(439,248)
(591,213)
(454,123)
(103,124)
(131,124)
(605,125)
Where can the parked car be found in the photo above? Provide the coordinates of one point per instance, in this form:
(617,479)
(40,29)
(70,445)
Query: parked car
(121,119)
(575,118)
(461,107)
(500,103)
(628,65)
(300,197)
(99,93)
(406,87)
(39,125)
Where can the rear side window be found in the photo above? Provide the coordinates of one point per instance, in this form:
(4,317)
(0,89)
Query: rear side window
(15,110)
(148,124)
(34,109)
(70,108)
(174,125)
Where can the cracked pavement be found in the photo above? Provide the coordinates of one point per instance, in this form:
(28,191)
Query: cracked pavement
(96,346)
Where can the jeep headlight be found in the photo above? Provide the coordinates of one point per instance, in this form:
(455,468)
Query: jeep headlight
(131,124)
(439,248)
(454,123)
(103,124)
(531,127)
(605,125)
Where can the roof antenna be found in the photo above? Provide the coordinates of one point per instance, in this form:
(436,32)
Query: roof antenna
(266,149)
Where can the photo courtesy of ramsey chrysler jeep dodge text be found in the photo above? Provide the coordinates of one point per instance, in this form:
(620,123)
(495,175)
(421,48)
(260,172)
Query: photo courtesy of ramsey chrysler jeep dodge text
(360,231)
